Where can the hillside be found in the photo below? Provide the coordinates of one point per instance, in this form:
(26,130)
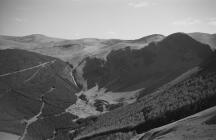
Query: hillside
(193,94)
(149,67)
(101,89)
(32,79)
(200,126)
(35,90)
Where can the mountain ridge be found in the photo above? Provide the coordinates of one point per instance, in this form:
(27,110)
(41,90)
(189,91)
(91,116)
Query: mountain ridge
(174,46)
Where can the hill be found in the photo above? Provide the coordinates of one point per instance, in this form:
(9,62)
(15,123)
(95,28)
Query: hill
(149,67)
(106,89)
(205,38)
(72,51)
(192,94)
(34,90)
(199,126)
(34,38)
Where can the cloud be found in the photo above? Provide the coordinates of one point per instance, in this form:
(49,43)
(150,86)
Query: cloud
(20,20)
(139,4)
(211,21)
(77,35)
(192,21)
(186,22)
(111,33)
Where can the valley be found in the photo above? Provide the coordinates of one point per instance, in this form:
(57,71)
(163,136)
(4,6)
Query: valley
(147,88)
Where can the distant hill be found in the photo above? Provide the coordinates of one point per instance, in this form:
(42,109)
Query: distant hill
(29,42)
(150,38)
(72,51)
(34,38)
(205,38)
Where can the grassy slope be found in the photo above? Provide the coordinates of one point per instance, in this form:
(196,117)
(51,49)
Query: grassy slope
(189,96)
(21,92)
(200,126)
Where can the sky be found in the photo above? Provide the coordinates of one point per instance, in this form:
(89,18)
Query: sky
(124,19)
